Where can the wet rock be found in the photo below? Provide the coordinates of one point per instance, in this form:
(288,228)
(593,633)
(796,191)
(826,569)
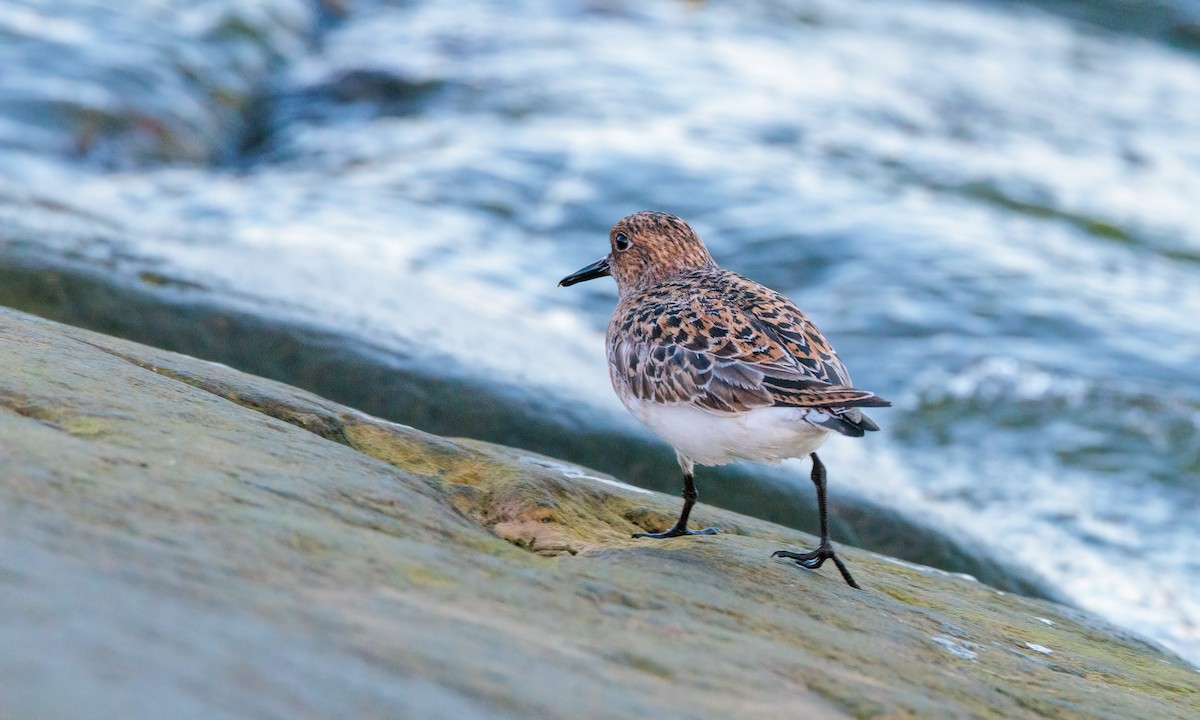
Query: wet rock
(181,539)
(1172,21)
(143,83)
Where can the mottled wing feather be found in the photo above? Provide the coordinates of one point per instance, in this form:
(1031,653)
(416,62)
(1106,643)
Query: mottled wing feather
(731,346)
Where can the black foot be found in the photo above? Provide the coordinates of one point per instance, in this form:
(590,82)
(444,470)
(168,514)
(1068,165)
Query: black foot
(816,558)
(677,532)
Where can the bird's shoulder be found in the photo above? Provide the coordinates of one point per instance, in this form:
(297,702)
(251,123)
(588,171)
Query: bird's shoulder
(720,342)
(728,317)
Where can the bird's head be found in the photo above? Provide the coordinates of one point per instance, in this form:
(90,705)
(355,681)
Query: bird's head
(646,248)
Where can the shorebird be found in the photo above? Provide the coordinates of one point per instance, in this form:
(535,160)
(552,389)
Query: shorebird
(720,367)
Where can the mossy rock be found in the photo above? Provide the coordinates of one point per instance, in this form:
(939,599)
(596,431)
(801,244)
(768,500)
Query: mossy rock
(179,539)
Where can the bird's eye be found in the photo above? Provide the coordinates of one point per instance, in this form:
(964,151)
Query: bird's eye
(622,243)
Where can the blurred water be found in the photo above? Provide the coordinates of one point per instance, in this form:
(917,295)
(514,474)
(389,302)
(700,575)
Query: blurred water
(989,210)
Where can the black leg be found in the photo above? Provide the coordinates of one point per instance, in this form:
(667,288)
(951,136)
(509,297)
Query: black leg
(689,499)
(816,558)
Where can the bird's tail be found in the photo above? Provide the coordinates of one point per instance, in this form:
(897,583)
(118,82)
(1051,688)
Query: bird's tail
(850,422)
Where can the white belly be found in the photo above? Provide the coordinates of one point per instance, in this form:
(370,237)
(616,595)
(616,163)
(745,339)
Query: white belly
(770,434)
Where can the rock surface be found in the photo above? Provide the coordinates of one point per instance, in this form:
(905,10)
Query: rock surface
(178,539)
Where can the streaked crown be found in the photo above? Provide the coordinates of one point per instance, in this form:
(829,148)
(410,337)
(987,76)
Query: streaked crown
(650,247)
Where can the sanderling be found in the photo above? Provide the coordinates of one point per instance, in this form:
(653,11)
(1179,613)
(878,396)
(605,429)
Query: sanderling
(719,366)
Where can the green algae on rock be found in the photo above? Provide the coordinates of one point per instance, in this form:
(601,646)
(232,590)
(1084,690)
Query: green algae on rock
(181,539)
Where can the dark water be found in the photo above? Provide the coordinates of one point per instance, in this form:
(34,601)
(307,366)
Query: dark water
(990,210)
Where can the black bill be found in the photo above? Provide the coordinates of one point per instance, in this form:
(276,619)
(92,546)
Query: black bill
(597,269)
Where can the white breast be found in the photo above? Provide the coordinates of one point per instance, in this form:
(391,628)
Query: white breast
(767,434)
